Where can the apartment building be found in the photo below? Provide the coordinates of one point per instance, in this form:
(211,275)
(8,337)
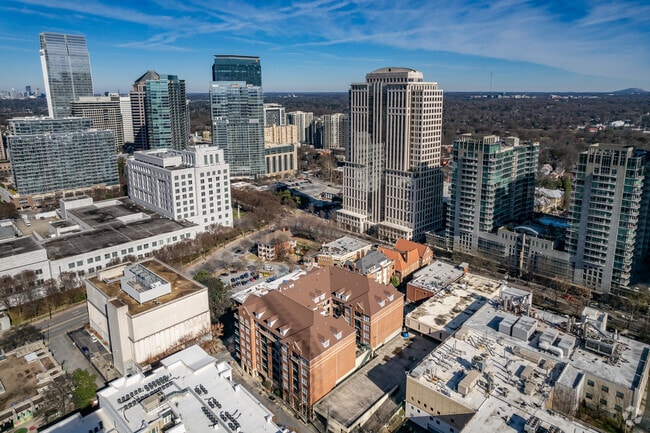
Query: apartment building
(53,155)
(303,337)
(407,257)
(492,184)
(609,191)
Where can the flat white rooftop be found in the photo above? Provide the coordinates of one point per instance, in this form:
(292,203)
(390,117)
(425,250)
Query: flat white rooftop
(199,392)
(450,308)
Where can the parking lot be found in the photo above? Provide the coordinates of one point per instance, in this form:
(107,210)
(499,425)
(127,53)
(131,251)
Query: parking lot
(95,352)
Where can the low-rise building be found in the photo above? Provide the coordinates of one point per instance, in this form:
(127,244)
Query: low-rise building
(146,310)
(548,200)
(21,253)
(432,279)
(344,249)
(318,197)
(275,244)
(189,392)
(109,231)
(281,159)
(408,257)
(503,370)
(443,314)
(374,265)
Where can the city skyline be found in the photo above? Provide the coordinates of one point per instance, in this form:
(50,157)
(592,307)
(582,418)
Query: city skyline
(325,45)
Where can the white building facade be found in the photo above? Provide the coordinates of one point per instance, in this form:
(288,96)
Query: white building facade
(392,178)
(139,331)
(191,184)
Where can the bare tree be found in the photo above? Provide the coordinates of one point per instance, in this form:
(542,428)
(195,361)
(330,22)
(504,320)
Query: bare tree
(58,397)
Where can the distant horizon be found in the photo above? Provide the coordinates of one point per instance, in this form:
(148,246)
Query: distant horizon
(325,45)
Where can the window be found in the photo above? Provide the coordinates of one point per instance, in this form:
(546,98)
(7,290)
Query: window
(589,396)
(619,394)
(603,402)
(604,388)
(590,382)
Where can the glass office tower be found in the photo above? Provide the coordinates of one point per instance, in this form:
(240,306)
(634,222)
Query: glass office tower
(167,115)
(66,71)
(238,126)
(237,68)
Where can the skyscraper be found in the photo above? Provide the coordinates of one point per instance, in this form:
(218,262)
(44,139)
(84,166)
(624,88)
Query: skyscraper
(167,115)
(274,114)
(238,126)
(392,180)
(607,216)
(335,131)
(138,109)
(66,71)
(237,68)
(492,184)
(104,112)
(303,120)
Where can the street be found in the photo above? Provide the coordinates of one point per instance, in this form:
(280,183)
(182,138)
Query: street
(55,331)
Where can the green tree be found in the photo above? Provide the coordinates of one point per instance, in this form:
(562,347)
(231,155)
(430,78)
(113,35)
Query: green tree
(84,388)
(218,298)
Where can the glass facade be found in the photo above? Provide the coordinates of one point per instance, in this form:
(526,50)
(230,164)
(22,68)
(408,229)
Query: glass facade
(49,155)
(607,230)
(238,126)
(66,71)
(237,68)
(167,115)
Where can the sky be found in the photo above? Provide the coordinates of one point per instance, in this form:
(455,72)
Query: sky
(324,45)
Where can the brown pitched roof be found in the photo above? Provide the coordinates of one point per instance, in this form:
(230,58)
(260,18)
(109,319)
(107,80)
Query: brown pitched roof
(300,325)
(399,262)
(323,283)
(406,245)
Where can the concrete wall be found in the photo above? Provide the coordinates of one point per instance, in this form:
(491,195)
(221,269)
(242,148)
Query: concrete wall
(34,261)
(423,403)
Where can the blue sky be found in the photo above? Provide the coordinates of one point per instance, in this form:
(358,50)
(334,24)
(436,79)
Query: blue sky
(324,45)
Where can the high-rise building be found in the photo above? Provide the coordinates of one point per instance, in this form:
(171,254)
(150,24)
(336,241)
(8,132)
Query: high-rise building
(238,126)
(104,112)
(66,71)
(191,184)
(607,233)
(167,114)
(237,68)
(492,184)
(392,179)
(138,109)
(50,155)
(303,121)
(127,119)
(335,131)
(274,114)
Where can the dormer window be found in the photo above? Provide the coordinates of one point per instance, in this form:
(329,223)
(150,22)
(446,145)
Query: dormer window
(325,343)
(284,329)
